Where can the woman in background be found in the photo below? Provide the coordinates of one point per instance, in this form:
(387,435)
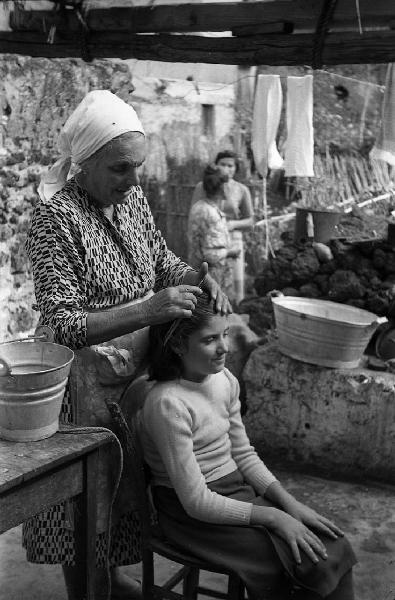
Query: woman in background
(208,236)
(237,207)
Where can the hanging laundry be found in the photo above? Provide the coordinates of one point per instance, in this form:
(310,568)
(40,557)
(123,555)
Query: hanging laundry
(299,145)
(265,122)
(384,149)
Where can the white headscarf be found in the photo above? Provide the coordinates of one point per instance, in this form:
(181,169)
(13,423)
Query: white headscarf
(100,117)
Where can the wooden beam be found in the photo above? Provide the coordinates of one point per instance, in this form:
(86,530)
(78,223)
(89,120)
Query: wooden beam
(326,14)
(264,28)
(277,50)
(205,17)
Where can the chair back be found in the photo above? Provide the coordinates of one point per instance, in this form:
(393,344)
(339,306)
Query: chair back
(127,433)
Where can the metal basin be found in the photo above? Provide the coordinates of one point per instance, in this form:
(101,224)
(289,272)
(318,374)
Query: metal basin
(323,332)
(33,378)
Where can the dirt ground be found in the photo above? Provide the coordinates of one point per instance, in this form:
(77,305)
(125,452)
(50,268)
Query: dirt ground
(365,512)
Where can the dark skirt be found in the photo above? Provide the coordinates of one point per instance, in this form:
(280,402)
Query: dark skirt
(263,560)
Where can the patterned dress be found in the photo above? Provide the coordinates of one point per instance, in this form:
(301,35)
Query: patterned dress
(236,205)
(83,261)
(209,240)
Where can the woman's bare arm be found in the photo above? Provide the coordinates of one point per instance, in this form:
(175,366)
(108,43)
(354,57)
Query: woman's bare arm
(240,224)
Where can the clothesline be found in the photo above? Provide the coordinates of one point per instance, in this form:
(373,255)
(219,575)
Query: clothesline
(195,85)
(353,79)
(379,87)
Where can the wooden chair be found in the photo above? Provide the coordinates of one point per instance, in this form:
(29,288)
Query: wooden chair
(153,541)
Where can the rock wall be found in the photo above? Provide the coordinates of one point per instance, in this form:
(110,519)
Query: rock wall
(360,273)
(328,420)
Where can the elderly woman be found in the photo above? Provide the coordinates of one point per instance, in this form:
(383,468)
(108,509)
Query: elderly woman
(102,275)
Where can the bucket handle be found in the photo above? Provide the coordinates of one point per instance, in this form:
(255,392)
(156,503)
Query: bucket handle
(274,294)
(5,368)
(377,322)
(30,338)
(42,332)
(380,321)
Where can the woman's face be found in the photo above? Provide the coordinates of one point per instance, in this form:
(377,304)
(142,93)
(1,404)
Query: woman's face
(227,166)
(110,176)
(205,350)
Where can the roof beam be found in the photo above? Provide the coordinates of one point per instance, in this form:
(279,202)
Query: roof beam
(303,14)
(274,49)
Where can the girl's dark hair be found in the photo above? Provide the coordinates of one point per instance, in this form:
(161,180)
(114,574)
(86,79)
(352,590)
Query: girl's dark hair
(164,364)
(227,154)
(213,180)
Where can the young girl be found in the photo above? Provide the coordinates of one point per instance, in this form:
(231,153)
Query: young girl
(214,496)
(208,235)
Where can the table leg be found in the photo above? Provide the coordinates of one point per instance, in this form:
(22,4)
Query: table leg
(96,583)
(91,470)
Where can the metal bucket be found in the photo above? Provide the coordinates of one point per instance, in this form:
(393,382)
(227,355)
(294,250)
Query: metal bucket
(322,332)
(319,225)
(33,378)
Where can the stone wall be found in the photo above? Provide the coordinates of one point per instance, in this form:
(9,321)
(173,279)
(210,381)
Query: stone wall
(329,420)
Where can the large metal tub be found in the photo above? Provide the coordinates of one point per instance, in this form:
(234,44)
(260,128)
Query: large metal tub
(323,332)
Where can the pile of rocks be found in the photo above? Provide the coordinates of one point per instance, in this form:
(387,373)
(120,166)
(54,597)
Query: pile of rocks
(361,274)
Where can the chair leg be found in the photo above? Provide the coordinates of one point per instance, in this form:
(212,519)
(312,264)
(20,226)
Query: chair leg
(148,575)
(190,584)
(235,588)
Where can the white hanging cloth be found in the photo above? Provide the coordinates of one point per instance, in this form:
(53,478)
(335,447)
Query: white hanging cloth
(384,148)
(299,145)
(265,122)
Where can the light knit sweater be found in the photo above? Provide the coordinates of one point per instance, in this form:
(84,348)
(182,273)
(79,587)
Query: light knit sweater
(192,433)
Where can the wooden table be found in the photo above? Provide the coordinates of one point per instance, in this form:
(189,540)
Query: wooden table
(37,475)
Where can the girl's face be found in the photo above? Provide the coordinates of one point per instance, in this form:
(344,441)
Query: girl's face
(205,350)
(227,166)
(110,177)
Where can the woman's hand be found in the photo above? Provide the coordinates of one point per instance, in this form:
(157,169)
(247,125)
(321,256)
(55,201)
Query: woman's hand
(231,225)
(171,303)
(298,536)
(209,285)
(311,518)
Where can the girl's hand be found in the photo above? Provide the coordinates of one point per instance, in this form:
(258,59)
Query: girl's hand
(311,518)
(231,225)
(298,536)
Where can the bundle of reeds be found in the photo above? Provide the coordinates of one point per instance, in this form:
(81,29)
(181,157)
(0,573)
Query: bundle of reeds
(340,178)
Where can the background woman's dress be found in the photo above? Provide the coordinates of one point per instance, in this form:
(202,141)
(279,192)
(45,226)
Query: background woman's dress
(236,205)
(209,240)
